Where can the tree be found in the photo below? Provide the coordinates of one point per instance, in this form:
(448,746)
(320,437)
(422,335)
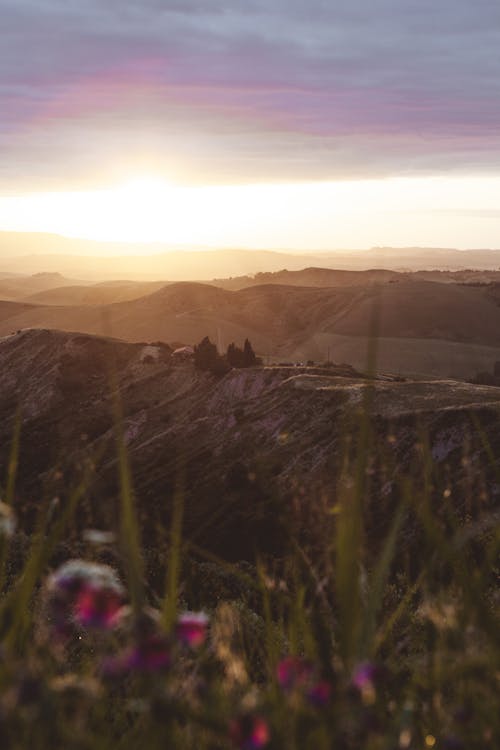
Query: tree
(234,356)
(249,358)
(205,355)
(245,357)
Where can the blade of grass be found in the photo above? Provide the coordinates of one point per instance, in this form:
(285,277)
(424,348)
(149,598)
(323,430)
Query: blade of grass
(388,625)
(13,459)
(9,491)
(378,582)
(44,543)
(174,557)
(271,647)
(349,534)
(129,528)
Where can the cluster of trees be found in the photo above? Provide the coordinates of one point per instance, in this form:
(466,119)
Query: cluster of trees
(206,357)
(237,357)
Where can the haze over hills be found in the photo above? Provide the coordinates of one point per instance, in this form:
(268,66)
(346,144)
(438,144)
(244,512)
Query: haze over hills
(19,287)
(424,327)
(30,253)
(96,294)
(58,290)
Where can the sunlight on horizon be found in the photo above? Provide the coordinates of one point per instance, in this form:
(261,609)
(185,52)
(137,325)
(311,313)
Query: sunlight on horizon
(460,212)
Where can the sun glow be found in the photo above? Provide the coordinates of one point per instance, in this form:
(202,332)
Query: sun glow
(458,212)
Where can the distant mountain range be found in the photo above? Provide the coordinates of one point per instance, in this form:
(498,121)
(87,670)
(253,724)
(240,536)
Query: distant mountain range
(33,252)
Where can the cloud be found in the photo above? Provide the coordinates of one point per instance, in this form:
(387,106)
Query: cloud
(282,89)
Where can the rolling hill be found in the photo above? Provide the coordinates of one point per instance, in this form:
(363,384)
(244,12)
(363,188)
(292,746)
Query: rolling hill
(335,277)
(19,287)
(423,327)
(103,293)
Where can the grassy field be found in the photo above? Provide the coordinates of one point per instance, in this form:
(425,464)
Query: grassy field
(350,641)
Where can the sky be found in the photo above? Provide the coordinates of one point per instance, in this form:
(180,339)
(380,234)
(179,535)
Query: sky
(303,124)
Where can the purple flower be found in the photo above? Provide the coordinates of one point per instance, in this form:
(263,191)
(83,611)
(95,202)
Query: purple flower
(191,629)
(84,594)
(364,680)
(97,607)
(365,675)
(294,673)
(150,654)
(320,693)
(249,732)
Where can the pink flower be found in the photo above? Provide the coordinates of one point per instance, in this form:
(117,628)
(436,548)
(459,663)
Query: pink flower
(294,673)
(97,607)
(191,629)
(365,679)
(320,693)
(150,655)
(365,675)
(249,732)
(84,594)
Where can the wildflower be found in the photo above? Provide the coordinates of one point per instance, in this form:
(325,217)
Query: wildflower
(74,574)
(364,679)
(97,608)
(191,629)
(294,673)
(249,732)
(299,676)
(364,674)
(150,654)
(85,594)
(320,693)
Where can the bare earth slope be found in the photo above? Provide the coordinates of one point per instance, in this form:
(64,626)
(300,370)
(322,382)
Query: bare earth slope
(256,449)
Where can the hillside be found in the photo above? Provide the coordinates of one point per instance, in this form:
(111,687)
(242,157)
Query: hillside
(245,444)
(424,327)
(103,293)
(311,276)
(335,277)
(20,287)
(13,310)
